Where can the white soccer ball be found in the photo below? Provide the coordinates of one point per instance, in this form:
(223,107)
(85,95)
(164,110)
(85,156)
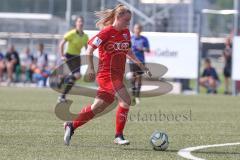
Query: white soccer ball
(159,141)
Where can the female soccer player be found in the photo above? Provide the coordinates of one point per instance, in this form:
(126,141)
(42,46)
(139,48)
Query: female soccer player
(139,46)
(76,39)
(113,42)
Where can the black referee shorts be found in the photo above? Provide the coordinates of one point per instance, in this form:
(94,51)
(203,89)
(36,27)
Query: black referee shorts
(227,71)
(74,63)
(135,69)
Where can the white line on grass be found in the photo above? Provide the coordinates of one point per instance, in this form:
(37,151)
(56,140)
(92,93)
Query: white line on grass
(186,152)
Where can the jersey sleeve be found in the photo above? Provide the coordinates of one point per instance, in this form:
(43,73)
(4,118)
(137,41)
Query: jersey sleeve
(99,39)
(68,36)
(146,43)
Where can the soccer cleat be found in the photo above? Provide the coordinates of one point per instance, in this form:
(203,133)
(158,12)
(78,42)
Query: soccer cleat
(137,100)
(61,99)
(121,141)
(69,131)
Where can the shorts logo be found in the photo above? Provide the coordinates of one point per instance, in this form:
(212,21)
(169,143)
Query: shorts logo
(97,41)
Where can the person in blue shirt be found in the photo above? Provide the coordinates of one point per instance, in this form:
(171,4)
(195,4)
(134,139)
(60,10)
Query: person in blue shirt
(140,45)
(40,67)
(209,79)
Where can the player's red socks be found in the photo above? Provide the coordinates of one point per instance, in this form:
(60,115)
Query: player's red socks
(121,118)
(85,115)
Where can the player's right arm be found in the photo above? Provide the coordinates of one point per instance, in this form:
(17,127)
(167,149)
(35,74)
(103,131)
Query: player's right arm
(93,44)
(67,38)
(61,47)
(91,71)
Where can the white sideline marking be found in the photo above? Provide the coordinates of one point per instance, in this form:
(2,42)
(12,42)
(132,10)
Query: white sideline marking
(186,152)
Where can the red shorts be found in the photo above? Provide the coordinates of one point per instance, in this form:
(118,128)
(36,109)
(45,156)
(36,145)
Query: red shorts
(108,88)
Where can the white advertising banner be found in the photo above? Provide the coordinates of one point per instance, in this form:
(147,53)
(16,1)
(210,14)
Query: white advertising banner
(177,51)
(236,59)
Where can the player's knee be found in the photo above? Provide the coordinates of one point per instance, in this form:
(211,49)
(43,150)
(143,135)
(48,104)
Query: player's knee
(77,75)
(201,80)
(212,81)
(213,84)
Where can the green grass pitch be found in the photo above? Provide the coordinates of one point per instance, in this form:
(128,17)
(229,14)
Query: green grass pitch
(29,129)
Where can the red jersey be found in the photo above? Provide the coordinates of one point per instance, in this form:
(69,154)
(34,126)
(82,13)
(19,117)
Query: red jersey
(113,46)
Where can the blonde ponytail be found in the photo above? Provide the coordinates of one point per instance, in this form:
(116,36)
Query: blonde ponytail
(107,17)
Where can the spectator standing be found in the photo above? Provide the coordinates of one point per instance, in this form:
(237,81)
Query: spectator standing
(40,68)
(27,61)
(227,54)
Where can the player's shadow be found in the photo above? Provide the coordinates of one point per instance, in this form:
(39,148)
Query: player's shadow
(150,150)
(127,147)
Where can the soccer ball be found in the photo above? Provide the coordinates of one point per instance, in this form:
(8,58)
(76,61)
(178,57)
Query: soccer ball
(159,141)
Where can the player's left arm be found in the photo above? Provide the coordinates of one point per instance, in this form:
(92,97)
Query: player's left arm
(146,46)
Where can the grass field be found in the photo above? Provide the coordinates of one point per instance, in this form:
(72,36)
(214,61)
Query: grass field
(29,129)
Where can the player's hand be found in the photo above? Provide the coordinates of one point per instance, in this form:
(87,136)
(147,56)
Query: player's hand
(91,75)
(147,72)
(63,58)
